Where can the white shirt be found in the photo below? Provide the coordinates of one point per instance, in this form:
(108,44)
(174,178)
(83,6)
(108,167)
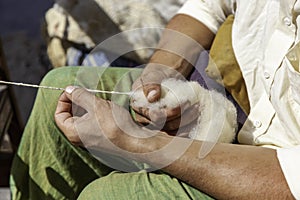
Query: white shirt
(264,39)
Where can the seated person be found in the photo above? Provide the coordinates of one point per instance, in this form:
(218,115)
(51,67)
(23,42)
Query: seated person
(75,27)
(49,166)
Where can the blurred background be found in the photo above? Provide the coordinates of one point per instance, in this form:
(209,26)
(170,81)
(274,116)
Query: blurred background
(37,36)
(24,46)
(24,51)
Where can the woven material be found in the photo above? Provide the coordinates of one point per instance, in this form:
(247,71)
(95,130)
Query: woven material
(47,166)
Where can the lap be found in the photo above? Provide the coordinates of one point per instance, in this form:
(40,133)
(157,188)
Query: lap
(47,166)
(140,185)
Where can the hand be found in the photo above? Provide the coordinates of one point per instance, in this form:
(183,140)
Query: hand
(167,119)
(153,75)
(100,125)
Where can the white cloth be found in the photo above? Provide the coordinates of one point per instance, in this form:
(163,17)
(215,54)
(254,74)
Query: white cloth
(290,167)
(265,40)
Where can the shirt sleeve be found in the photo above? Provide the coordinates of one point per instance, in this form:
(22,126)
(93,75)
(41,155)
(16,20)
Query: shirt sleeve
(289,160)
(211,13)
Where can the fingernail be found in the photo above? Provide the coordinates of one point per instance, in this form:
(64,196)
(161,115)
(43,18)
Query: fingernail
(151,94)
(70,89)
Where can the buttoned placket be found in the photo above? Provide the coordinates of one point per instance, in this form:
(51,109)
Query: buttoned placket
(281,40)
(286,32)
(270,66)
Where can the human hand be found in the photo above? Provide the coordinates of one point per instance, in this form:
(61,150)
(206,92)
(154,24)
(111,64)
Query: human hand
(167,118)
(155,73)
(102,123)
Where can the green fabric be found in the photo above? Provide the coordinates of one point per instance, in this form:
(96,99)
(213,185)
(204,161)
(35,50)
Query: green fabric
(47,166)
(143,185)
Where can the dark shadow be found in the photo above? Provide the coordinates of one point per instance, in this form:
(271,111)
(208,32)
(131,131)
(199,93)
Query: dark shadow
(5,160)
(24,184)
(82,176)
(60,183)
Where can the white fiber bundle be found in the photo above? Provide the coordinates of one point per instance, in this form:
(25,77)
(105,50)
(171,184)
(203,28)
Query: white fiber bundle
(217,115)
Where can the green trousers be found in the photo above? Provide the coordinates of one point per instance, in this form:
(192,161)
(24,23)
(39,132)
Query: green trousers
(47,166)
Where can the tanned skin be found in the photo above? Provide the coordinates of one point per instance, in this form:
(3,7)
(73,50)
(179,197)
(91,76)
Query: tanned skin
(229,171)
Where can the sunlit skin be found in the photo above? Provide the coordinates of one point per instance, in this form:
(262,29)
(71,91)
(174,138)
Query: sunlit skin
(229,171)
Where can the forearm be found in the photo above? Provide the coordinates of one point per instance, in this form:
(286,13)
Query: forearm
(181,43)
(227,172)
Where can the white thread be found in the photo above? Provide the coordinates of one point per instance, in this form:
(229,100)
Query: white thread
(63,89)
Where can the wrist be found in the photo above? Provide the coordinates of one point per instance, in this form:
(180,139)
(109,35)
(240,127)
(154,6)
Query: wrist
(160,150)
(147,141)
(172,61)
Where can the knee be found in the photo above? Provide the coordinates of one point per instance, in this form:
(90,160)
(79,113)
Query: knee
(58,76)
(116,185)
(98,189)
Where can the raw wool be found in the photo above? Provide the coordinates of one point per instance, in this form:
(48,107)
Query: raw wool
(217,120)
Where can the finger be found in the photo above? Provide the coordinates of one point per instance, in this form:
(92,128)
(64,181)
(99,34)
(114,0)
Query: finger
(142,115)
(168,114)
(151,89)
(161,115)
(150,81)
(68,127)
(63,108)
(64,119)
(152,77)
(81,97)
(152,92)
(141,119)
(143,111)
(187,118)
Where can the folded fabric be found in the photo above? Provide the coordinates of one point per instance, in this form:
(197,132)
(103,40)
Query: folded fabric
(224,68)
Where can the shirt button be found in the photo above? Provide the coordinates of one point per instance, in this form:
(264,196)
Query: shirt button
(257,124)
(266,75)
(287,21)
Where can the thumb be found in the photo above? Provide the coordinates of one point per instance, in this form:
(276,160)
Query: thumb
(151,84)
(152,92)
(81,97)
